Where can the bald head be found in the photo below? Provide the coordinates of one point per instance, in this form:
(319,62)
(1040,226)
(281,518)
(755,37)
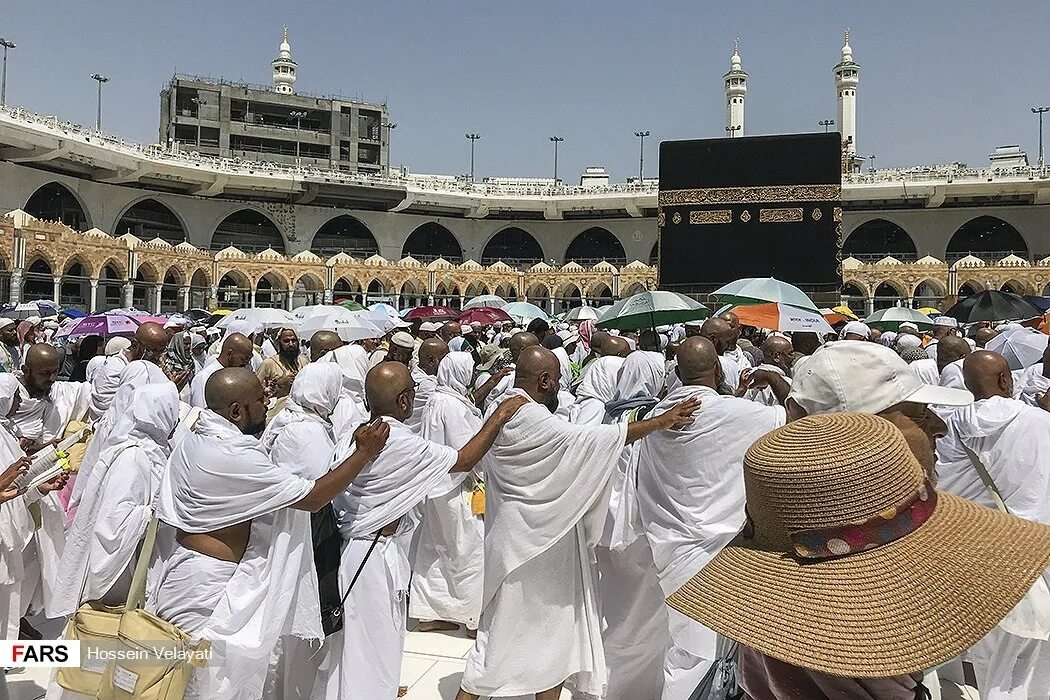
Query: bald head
(698,363)
(949,349)
(431,352)
(237,350)
(987,374)
(152,337)
(520,341)
(538,373)
(983,335)
(777,350)
(322,343)
(236,394)
(615,346)
(40,369)
(598,339)
(719,332)
(390,390)
(734,323)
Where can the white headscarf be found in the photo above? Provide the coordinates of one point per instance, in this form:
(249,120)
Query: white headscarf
(455,372)
(642,374)
(313,396)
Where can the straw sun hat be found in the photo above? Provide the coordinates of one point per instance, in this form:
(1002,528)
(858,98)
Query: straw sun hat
(851,564)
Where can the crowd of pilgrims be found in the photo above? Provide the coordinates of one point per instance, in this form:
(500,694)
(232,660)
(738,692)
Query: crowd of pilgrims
(669,513)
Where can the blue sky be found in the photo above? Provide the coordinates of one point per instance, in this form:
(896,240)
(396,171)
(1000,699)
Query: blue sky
(941,80)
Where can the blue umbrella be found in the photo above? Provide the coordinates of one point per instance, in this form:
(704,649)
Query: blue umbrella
(74,313)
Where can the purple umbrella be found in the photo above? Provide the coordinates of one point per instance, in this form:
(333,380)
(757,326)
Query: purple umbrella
(99,324)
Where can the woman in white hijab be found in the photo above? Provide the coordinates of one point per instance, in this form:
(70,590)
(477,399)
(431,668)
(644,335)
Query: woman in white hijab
(16,528)
(447,554)
(116,503)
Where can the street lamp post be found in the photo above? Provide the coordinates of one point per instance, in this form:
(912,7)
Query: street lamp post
(198,101)
(641,153)
(826,123)
(1035,110)
(3,79)
(389,126)
(556,140)
(98,77)
(472,137)
(731,130)
(297,116)
(871,159)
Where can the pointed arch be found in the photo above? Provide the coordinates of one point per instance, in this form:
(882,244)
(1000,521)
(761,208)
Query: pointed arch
(347,288)
(431,241)
(654,254)
(1015,286)
(307,290)
(38,282)
(234,290)
(271,291)
(56,202)
(514,246)
(248,230)
(968,289)
(986,237)
(635,288)
(149,218)
(594,245)
(928,292)
(887,294)
(344,234)
(76,283)
(568,296)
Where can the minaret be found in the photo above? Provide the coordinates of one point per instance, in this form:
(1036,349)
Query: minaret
(846,80)
(284,68)
(736,88)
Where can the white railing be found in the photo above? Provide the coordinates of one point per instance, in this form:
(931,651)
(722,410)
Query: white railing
(459,185)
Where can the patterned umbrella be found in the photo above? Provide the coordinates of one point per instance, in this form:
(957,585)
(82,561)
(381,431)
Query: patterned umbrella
(430,313)
(100,324)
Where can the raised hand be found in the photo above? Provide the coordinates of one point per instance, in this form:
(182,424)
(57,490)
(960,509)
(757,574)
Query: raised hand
(508,408)
(680,415)
(371,437)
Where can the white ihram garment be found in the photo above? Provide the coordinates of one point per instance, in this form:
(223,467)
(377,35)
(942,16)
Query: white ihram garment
(300,440)
(597,388)
(926,371)
(952,375)
(353,361)
(565,367)
(218,477)
(116,503)
(16,526)
(546,483)
(765,395)
(1032,383)
(1012,440)
(691,497)
(641,374)
(390,487)
(426,384)
(200,379)
(105,382)
(447,572)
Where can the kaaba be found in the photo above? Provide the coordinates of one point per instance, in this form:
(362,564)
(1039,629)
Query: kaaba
(764,206)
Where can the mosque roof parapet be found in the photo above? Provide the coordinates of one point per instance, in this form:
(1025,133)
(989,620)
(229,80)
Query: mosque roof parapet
(541,267)
(340,258)
(130,241)
(376,260)
(500,266)
(409,261)
(470,265)
(440,264)
(929,260)
(851,263)
(96,233)
(604,266)
(636,265)
(269,254)
(1013,261)
(187,247)
(970,261)
(306,256)
(231,252)
(158,242)
(889,260)
(570,266)
(20,218)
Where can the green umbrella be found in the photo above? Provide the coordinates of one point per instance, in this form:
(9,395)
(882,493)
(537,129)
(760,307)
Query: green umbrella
(652,309)
(351,305)
(752,290)
(891,319)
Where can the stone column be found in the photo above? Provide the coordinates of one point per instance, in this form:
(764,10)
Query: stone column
(157,289)
(462,301)
(430,300)
(869,306)
(251,299)
(329,295)
(93,300)
(129,295)
(291,298)
(550,302)
(213,296)
(57,288)
(185,293)
(16,285)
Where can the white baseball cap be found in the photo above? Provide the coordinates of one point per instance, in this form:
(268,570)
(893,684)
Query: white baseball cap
(856,328)
(946,322)
(908,341)
(863,378)
(429,327)
(908,326)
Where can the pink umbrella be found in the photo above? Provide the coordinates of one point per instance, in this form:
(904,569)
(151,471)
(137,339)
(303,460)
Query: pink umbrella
(429,313)
(105,324)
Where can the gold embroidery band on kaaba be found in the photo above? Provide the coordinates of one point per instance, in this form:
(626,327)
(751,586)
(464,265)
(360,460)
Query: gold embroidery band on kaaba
(780,216)
(771,194)
(711,216)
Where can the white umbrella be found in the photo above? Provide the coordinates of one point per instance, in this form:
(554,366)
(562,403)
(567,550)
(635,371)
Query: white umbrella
(581,313)
(890,319)
(260,317)
(523,311)
(758,289)
(349,325)
(490,300)
(652,309)
(1022,348)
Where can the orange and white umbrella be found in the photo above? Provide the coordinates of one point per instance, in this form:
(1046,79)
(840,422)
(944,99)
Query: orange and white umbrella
(781,317)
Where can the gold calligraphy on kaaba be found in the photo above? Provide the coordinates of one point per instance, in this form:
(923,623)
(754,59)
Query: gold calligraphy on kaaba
(836,214)
(787,215)
(751,195)
(660,219)
(711,216)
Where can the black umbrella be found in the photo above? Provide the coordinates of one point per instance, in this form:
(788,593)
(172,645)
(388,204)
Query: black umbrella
(991,305)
